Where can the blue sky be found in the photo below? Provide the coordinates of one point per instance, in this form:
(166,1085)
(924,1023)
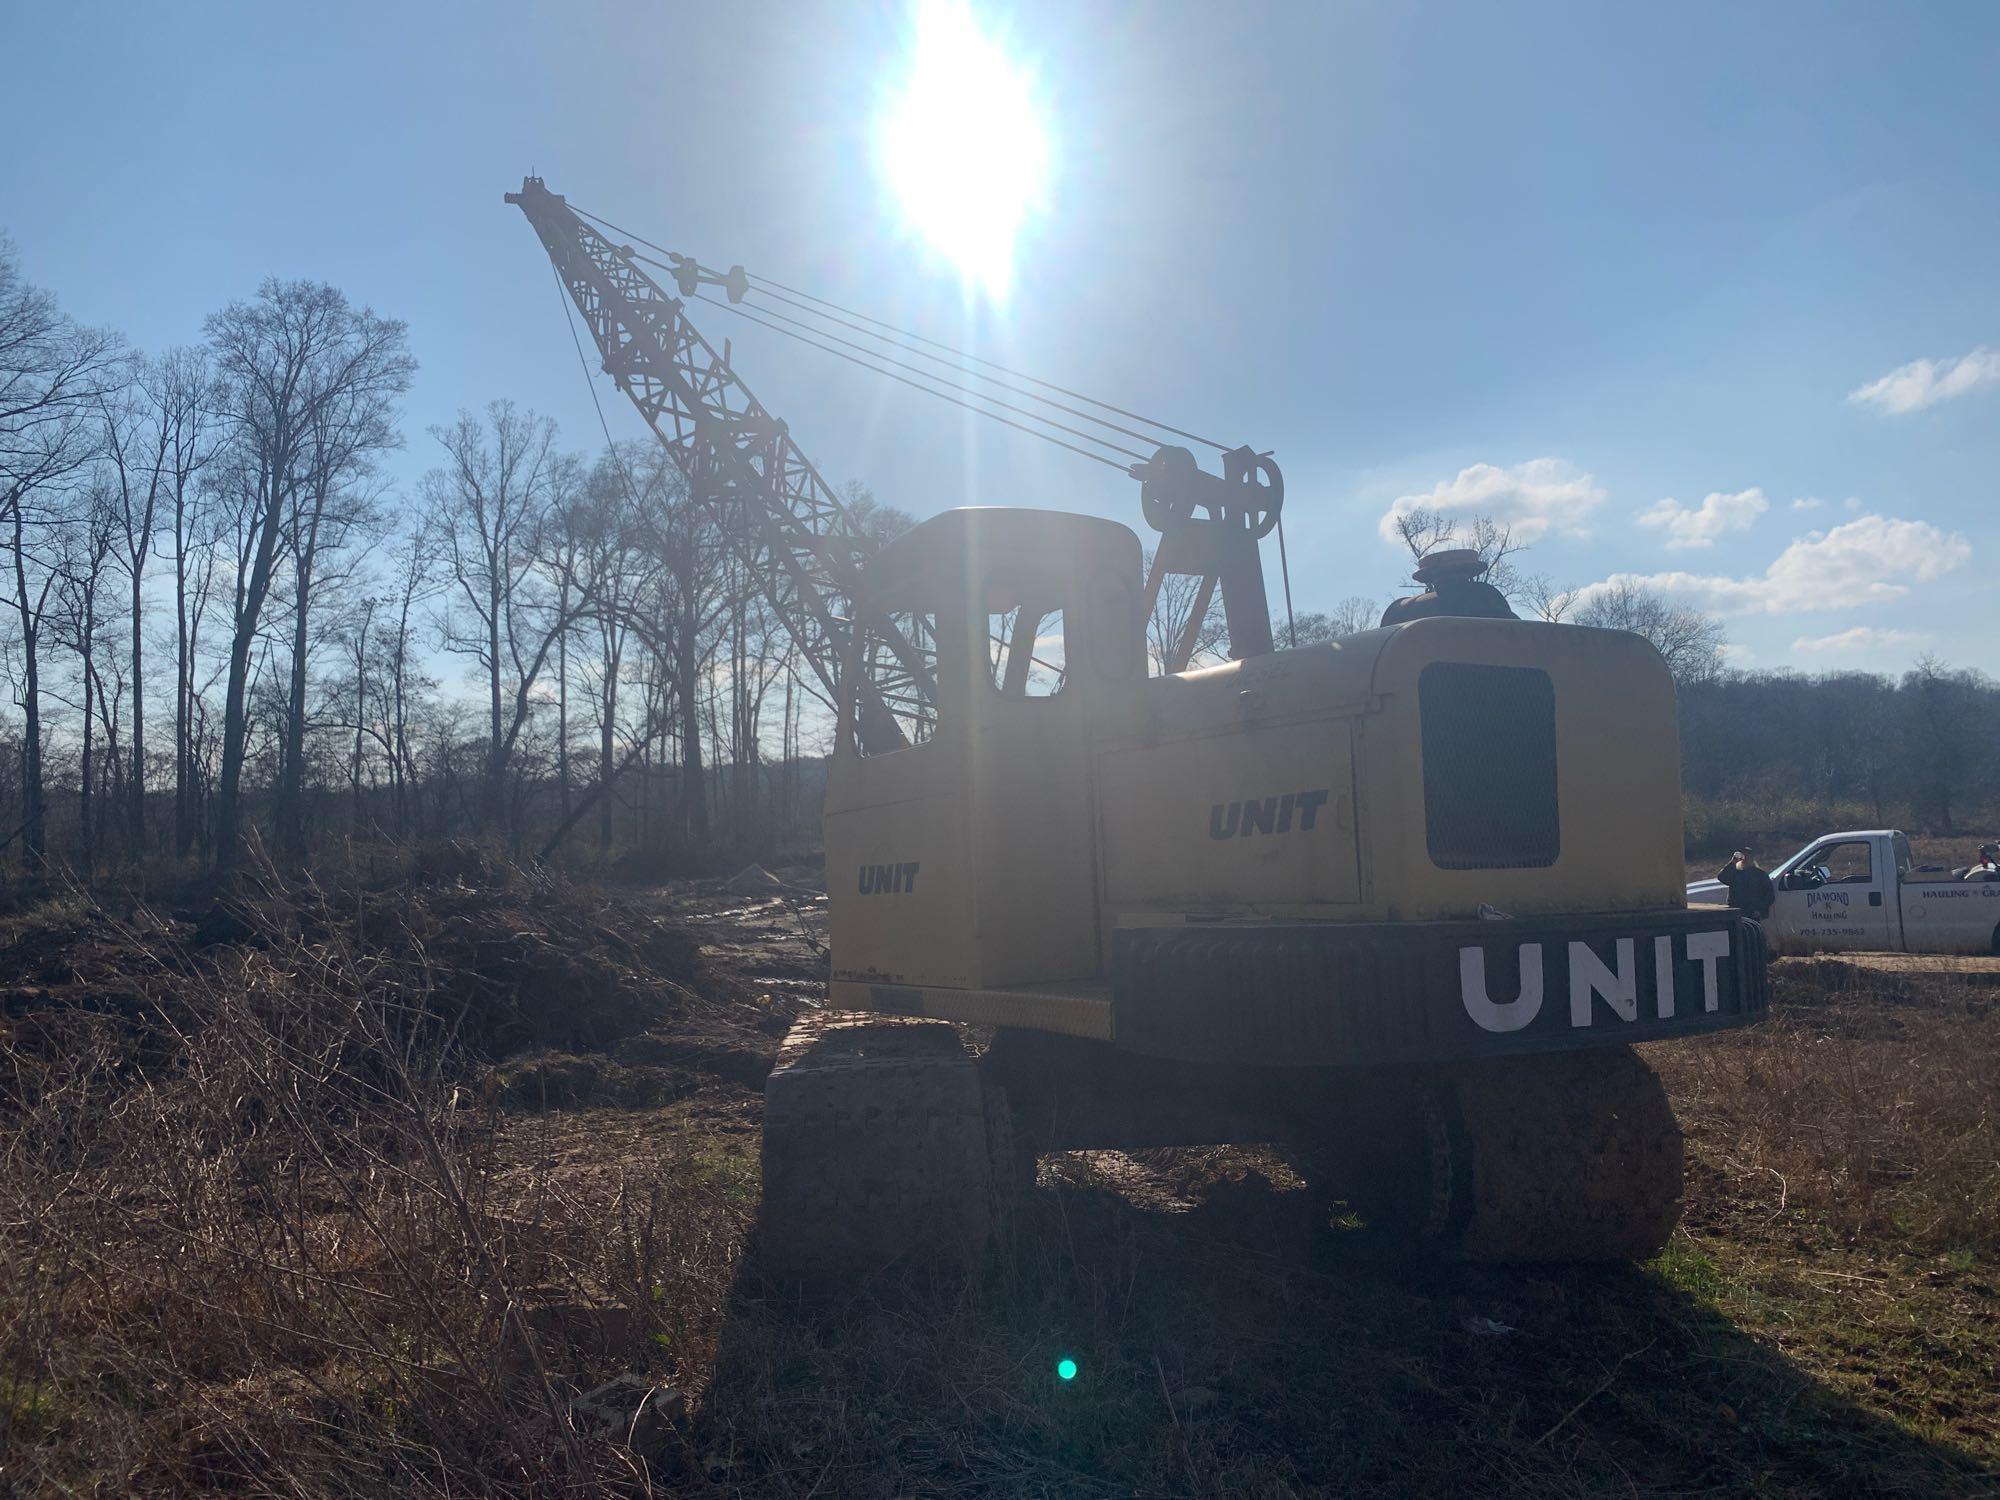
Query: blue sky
(1616,274)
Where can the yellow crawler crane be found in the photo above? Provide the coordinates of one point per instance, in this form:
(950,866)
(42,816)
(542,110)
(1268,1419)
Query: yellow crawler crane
(1403,901)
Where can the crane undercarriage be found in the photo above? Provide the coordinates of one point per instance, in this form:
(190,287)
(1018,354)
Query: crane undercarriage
(887,1138)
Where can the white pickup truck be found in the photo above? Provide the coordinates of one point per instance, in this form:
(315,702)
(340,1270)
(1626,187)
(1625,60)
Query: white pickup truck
(1861,890)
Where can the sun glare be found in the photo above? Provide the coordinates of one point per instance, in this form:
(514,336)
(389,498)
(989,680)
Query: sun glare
(962,144)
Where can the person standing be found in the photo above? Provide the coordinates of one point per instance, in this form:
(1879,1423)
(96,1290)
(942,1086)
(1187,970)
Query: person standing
(1750,888)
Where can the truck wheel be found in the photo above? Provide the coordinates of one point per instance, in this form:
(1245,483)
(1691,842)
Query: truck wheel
(1563,1156)
(880,1145)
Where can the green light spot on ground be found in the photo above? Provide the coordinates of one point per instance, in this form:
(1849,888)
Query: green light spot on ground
(1066,1368)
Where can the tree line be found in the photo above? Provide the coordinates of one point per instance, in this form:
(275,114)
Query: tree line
(223,618)
(205,550)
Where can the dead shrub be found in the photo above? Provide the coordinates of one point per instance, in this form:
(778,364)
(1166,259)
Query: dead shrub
(1866,1097)
(256,1231)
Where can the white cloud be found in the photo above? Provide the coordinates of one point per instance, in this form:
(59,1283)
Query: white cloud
(1534,498)
(1925,382)
(1736,655)
(1852,505)
(1700,525)
(1808,503)
(1860,638)
(1868,560)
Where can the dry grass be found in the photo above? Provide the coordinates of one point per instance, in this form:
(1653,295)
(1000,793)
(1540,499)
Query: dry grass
(257,1236)
(1867,1102)
(265,1227)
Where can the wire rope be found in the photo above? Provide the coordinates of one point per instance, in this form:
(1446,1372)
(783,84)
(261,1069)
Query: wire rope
(1285,572)
(807,333)
(773,288)
(954,400)
(1144,437)
(764,283)
(569,315)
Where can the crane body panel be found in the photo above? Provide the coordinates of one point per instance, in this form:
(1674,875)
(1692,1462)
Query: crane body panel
(1512,774)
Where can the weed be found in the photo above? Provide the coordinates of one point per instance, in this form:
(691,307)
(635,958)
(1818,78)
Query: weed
(1684,1267)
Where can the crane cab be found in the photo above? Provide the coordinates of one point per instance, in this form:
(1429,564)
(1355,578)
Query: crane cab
(961,848)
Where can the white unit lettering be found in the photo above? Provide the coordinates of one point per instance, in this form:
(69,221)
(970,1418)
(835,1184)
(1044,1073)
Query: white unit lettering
(1507,1015)
(1707,947)
(1588,976)
(1663,977)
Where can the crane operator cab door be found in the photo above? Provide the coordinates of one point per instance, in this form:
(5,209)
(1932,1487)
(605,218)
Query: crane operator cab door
(962,855)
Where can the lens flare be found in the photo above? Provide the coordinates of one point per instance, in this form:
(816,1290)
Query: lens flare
(962,145)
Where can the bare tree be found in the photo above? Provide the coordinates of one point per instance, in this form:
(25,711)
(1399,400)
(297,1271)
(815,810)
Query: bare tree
(291,360)
(617,569)
(51,370)
(1948,726)
(1351,616)
(52,375)
(1186,623)
(33,583)
(491,505)
(687,600)
(336,502)
(180,394)
(412,582)
(140,441)
(1690,640)
(83,547)
(1546,600)
(1424,531)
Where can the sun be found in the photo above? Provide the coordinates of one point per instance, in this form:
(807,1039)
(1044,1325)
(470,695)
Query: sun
(962,144)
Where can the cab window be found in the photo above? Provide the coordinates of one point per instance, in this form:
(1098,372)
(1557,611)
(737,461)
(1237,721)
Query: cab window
(1838,864)
(898,669)
(1026,641)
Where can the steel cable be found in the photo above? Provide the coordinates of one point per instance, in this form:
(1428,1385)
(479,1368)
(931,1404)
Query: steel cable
(780,291)
(942,395)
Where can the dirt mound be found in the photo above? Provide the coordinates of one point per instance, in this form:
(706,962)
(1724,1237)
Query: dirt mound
(528,963)
(525,964)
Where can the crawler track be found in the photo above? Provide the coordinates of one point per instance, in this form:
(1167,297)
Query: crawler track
(1574,1156)
(879,1143)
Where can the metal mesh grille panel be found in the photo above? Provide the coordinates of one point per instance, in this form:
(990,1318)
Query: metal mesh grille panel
(1489,738)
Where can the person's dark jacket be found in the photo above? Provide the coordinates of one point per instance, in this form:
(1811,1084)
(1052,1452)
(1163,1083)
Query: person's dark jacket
(1750,888)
